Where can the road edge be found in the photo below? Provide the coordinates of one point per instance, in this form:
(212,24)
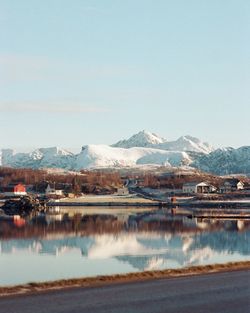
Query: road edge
(86,282)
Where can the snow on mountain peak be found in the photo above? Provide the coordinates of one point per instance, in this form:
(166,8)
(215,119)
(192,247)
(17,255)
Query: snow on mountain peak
(184,151)
(54,151)
(143,148)
(146,139)
(40,158)
(142,139)
(189,143)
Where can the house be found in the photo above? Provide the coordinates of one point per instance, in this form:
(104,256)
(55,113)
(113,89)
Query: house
(53,191)
(231,185)
(14,190)
(198,187)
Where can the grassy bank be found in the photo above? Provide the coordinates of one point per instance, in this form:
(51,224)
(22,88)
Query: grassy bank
(132,277)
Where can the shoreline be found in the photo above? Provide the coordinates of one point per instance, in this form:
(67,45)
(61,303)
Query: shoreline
(88,282)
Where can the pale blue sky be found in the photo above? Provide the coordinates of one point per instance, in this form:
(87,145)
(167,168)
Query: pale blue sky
(74,72)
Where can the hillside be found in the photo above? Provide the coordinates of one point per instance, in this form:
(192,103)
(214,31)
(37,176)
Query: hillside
(225,161)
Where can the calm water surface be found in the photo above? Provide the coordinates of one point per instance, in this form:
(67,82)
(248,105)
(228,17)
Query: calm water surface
(90,242)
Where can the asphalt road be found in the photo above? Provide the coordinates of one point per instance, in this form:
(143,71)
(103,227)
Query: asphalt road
(221,292)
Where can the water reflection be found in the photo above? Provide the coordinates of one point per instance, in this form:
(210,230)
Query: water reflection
(73,245)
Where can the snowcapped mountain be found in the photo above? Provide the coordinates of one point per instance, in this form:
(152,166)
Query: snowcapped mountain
(225,161)
(53,157)
(151,140)
(143,148)
(142,139)
(105,156)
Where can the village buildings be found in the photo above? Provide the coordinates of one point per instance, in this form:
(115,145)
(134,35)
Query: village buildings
(198,187)
(231,185)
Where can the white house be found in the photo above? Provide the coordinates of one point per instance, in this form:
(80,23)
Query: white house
(232,184)
(53,191)
(195,187)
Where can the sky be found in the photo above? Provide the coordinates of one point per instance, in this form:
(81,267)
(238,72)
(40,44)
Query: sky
(76,72)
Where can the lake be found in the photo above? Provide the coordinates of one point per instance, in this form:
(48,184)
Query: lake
(80,242)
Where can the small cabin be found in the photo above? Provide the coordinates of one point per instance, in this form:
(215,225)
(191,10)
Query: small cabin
(14,190)
(49,191)
(194,187)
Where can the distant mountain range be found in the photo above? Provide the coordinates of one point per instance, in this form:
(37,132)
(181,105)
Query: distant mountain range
(143,148)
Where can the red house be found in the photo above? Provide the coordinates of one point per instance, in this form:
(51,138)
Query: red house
(15,190)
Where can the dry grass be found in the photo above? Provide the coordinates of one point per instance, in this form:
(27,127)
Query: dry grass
(123,278)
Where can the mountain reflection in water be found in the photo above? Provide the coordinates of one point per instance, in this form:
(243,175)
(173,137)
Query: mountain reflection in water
(126,241)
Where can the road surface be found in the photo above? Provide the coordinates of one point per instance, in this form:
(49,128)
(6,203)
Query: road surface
(222,292)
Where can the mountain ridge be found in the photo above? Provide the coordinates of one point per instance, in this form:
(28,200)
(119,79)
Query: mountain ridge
(143,138)
(151,140)
(143,148)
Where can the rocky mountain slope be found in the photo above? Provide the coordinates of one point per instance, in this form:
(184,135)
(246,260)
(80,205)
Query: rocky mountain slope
(225,161)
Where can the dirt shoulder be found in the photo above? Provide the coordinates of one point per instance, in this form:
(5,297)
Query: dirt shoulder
(124,278)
